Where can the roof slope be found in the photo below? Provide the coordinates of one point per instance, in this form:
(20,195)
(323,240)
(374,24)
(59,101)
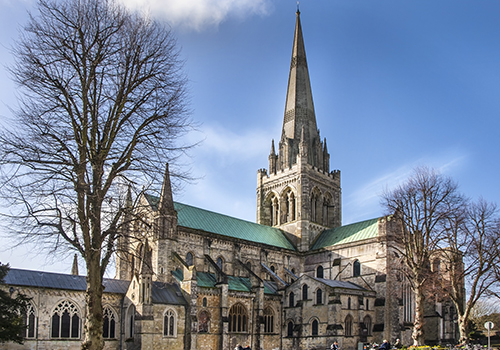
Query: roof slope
(347,234)
(237,284)
(53,280)
(209,221)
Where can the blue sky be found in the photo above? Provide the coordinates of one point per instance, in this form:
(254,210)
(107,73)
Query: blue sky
(396,84)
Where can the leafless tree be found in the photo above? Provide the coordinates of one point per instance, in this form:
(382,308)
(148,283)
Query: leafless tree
(103,105)
(423,204)
(471,258)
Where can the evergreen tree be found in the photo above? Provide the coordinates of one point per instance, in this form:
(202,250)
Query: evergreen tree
(12,309)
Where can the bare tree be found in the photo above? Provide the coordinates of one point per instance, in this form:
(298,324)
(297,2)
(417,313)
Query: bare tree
(423,205)
(103,105)
(471,257)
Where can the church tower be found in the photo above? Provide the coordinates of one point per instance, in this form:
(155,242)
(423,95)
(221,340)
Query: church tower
(298,193)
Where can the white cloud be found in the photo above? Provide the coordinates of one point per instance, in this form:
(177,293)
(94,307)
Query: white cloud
(198,14)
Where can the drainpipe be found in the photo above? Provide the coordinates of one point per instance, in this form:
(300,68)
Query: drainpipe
(122,324)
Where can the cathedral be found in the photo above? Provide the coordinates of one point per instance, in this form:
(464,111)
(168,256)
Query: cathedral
(189,278)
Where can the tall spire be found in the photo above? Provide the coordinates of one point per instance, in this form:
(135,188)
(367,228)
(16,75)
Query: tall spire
(299,107)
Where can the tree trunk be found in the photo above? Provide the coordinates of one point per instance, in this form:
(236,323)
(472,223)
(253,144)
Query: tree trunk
(463,327)
(418,325)
(94,320)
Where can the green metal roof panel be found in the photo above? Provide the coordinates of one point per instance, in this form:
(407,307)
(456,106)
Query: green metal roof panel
(347,234)
(238,284)
(201,219)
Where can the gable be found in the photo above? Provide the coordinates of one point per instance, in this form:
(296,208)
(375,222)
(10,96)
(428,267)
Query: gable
(347,234)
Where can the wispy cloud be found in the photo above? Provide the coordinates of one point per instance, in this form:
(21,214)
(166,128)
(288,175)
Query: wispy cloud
(364,202)
(199,14)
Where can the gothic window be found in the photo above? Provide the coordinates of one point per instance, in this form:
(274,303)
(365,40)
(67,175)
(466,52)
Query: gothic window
(328,210)
(408,303)
(316,206)
(319,297)
(203,322)
(273,207)
(319,271)
(204,302)
(288,205)
(169,324)
(348,326)
(289,331)
(130,319)
(30,321)
(367,321)
(65,321)
(268,320)
(237,318)
(189,259)
(304,292)
(356,268)
(109,323)
(314,327)
(291,301)
(220,263)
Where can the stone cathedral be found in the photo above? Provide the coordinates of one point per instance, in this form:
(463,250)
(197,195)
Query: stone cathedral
(196,279)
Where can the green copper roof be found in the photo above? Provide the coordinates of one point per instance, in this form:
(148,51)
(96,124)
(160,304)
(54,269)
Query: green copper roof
(347,234)
(237,284)
(201,219)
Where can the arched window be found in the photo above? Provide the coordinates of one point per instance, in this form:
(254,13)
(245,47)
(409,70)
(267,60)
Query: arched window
(319,297)
(130,321)
(237,318)
(319,271)
(328,210)
(367,302)
(304,292)
(220,263)
(203,322)
(356,268)
(273,208)
(289,329)
(30,321)
(268,320)
(65,321)
(291,299)
(189,259)
(169,324)
(273,269)
(367,322)
(316,206)
(349,303)
(348,326)
(314,327)
(288,205)
(204,302)
(109,323)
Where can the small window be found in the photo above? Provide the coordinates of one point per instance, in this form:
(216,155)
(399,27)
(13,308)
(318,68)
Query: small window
(30,321)
(273,269)
(268,320)
(319,297)
(189,259)
(291,301)
(319,271)
(169,324)
(349,303)
(304,292)
(367,322)
(356,268)
(367,302)
(130,321)
(348,326)
(289,327)
(109,324)
(65,321)
(204,302)
(314,327)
